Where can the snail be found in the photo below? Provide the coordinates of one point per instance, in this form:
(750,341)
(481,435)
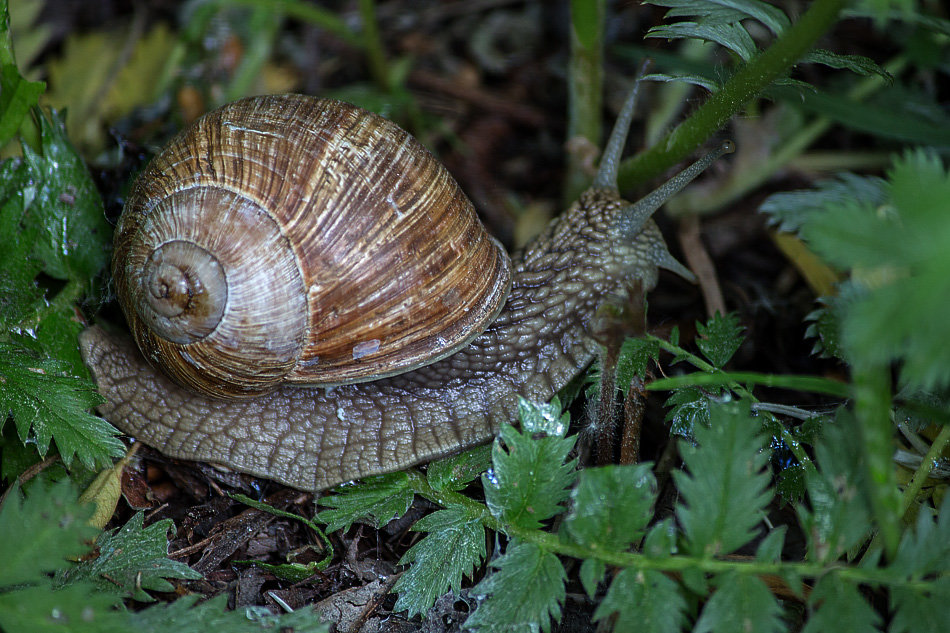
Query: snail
(480,331)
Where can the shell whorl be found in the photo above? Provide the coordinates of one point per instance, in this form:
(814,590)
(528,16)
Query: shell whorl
(379,262)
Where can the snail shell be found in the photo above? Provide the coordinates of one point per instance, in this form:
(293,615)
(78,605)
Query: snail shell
(302,240)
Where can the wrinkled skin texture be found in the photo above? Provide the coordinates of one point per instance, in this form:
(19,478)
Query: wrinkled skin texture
(313,438)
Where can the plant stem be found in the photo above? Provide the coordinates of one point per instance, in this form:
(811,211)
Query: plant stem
(373,46)
(792,444)
(584,89)
(554,543)
(926,465)
(749,81)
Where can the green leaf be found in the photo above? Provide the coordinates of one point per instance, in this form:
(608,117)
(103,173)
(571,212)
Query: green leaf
(838,515)
(727,488)
(187,615)
(525,592)
(48,405)
(645,601)
(529,479)
(592,571)
(544,419)
(66,215)
(858,64)
(719,338)
(899,257)
(612,506)
(17,96)
(41,531)
(917,609)
(925,550)
(79,608)
(660,541)
(791,210)
(634,359)
(770,549)
(731,36)
(457,471)
(455,545)
(134,559)
(837,605)
(376,500)
(740,603)
(688,410)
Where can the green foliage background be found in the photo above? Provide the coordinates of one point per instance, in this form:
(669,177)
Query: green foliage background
(867,531)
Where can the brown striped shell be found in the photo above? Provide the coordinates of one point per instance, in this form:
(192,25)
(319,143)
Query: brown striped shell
(294,239)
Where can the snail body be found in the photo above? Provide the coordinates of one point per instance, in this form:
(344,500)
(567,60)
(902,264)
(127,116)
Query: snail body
(313,437)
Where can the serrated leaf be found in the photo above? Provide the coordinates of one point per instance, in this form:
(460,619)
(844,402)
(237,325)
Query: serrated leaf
(634,359)
(926,549)
(376,500)
(855,63)
(770,549)
(187,615)
(791,210)
(65,214)
(688,410)
(838,515)
(719,338)
(40,531)
(457,471)
(731,36)
(48,405)
(17,96)
(454,547)
(690,78)
(612,506)
(660,541)
(79,608)
(899,257)
(545,418)
(727,488)
(528,480)
(645,601)
(836,605)
(740,603)
(916,609)
(134,559)
(592,571)
(523,594)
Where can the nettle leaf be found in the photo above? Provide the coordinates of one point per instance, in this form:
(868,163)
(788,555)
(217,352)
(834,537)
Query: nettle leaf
(457,471)
(838,516)
(899,259)
(732,36)
(646,601)
(187,615)
(825,325)
(727,488)
(837,605)
(719,338)
(697,80)
(17,96)
(612,506)
(18,291)
(41,530)
(47,404)
(529,479)
(455,545)
(376,500)
(740,603)
(65,211)
(134,559)
(525,592)
(634,359)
